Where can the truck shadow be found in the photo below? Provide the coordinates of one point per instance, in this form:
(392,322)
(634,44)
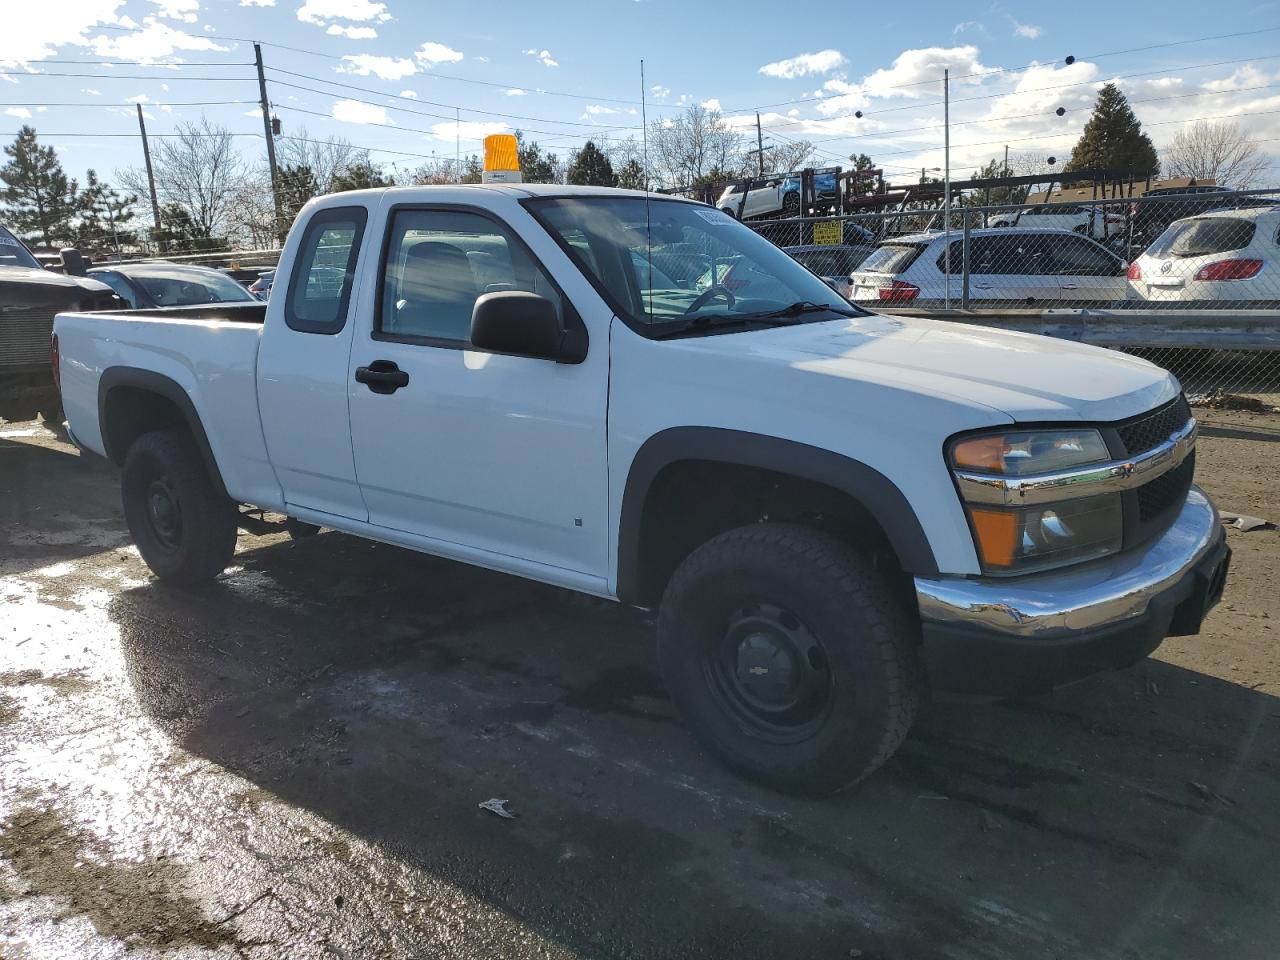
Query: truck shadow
(390,693)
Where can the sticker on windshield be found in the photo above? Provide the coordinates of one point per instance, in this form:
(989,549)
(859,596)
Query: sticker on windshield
(9,241)
(718,217)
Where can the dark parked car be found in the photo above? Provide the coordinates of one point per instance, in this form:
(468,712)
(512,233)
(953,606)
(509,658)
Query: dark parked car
(148,285)
(1156,209)
(30,295)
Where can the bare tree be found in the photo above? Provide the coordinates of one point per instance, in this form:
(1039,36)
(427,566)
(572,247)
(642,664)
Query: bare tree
(251,222)
(788,156)
(326,159)
(694,147)
(1218,151)
(198,170)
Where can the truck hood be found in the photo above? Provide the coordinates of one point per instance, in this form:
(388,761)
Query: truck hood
(1023,376)
(22,287)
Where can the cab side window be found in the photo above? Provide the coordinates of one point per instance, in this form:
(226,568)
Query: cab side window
(439,262)
(320,287)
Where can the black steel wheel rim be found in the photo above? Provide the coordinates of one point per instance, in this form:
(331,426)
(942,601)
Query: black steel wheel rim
(164,513)
(770,673)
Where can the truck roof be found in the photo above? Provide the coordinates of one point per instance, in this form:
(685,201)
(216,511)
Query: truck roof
(520,190)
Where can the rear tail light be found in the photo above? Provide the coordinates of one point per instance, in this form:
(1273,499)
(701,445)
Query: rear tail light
(1229,270)
(1135,271)
(55,362)
(899,291)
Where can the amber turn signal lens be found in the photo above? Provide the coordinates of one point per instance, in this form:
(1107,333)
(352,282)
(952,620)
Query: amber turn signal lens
(980,453)
(996,532)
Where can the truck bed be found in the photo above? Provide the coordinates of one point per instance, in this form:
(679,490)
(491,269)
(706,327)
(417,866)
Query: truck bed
(209,352)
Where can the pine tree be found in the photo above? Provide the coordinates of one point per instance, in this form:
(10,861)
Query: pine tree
(591,168)
(536,166)
(361,176)
(40,200)
(631,176)
(297,184)
(1113,139)
(105,215)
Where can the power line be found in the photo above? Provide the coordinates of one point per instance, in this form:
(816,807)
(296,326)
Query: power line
(390,96)
(126,103)
(1012,71)
(433,74)
(997,96)
(113,76)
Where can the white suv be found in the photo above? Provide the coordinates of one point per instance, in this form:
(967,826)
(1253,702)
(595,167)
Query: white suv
(772,195)
(1215,256)
(1099,223)
(1005,263)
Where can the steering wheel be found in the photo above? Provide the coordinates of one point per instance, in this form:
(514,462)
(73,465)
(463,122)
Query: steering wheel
(709,294)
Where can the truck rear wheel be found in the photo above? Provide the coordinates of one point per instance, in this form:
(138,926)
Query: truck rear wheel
(788,655)
(184,528)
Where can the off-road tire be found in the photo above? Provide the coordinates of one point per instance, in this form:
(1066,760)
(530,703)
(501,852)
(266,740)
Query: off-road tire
(202,542)
(867,640)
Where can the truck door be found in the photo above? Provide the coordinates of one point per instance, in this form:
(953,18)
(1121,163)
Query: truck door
(489,452)
(302,367)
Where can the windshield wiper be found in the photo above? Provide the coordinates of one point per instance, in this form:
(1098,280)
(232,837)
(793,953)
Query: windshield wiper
(796,309)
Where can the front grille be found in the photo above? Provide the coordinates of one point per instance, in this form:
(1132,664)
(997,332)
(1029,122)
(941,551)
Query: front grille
(1152,429)
(24,337)
(1165,492)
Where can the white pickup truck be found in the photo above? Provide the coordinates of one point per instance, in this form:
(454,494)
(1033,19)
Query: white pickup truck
(639,398)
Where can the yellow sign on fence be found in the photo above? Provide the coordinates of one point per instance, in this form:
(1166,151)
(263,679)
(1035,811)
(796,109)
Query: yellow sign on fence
(826,232)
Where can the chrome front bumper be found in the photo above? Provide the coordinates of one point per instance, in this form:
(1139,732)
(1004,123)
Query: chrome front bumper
(1093,596)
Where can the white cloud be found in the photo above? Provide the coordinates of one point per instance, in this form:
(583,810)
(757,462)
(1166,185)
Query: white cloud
(595,110)
(137,98)
(660,92)
(431,53)
(1027,31)
(353,111)
(92,92)
(21,113)
(351,33)
(713,105)
(542,56)
(33,32)
(177,9)
(824,61)
(257,3)
(153,41)
(411,94)
(515,92)
(964,26)
(918,72)
(320,12)
(385,68)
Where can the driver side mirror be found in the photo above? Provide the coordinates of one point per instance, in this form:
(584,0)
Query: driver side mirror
(516,322)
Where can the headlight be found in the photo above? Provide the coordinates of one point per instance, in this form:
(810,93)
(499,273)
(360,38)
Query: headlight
(1023,494)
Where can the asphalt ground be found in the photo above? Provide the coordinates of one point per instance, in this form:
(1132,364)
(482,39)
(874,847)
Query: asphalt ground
(289,763)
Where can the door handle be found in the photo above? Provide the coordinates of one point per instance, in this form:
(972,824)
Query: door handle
(382,376)
(1070,286)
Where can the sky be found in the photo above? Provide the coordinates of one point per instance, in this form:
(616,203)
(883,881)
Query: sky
(415,80)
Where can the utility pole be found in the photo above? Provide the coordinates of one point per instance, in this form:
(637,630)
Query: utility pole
(760,146)
(271,143)
(1006,159)
(946,176)
(151,177)
(457,143)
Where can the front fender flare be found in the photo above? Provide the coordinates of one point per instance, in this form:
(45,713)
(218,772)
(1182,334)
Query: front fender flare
(876,492)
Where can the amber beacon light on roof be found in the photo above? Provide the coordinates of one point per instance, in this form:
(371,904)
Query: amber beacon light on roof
(501,159)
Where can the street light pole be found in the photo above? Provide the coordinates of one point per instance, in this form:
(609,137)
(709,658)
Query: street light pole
(946,177)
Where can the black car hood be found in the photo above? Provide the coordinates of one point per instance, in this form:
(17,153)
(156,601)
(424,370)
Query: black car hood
(22,287)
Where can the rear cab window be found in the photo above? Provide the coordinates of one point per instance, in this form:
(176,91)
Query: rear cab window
(1202,237)
(320,286)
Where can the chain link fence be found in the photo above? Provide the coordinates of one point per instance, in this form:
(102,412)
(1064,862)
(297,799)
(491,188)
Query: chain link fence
(1188,278)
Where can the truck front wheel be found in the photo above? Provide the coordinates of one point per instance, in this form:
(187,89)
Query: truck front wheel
(184,528)
(789,656)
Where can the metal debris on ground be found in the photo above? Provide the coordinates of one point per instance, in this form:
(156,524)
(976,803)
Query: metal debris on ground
(1221,400)
(1242,521)
(497,806)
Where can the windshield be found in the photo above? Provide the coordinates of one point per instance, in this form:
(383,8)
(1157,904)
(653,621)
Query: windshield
(184,287)
(661,261)
(892,257)
(1198,238)
(13,253)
